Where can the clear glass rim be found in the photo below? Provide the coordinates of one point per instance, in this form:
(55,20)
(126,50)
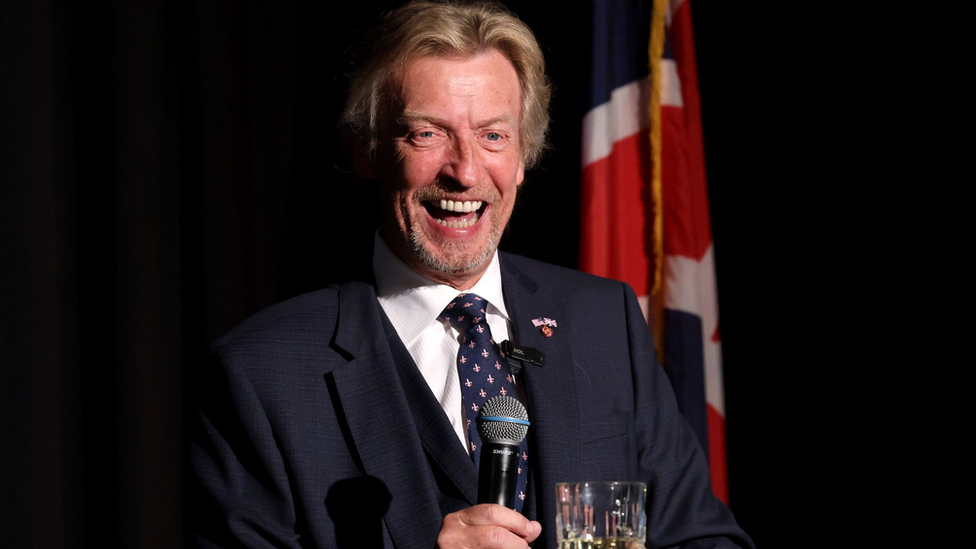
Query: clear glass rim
(604,483)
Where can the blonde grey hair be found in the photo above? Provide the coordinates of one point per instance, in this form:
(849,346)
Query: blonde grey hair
(433,29)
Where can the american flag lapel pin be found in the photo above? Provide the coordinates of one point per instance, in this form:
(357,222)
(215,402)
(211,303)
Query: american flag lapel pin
(545,325)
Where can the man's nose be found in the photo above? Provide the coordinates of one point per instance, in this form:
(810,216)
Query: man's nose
(465,166)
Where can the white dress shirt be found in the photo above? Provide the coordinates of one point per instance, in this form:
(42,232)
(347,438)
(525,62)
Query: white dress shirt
(413,303)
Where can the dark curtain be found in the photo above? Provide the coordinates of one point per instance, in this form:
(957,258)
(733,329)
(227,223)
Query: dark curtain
(169,168)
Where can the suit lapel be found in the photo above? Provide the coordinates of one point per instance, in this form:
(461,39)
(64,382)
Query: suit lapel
(551,389)
(374,407)
(435,431)
(377,414)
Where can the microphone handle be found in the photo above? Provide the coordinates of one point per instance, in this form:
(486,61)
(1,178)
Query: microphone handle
(498,473)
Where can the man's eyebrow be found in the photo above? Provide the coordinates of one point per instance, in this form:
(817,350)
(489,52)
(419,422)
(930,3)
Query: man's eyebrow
(414,117)
(411,117)
(503,119)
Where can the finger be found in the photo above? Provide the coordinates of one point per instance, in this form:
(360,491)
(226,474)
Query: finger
(534,530)
(485,537)
(491,514)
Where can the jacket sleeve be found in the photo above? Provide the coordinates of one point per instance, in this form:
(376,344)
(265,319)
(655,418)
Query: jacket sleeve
(681,508)
(239,494)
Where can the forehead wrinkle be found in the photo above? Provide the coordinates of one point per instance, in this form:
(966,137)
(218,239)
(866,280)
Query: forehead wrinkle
(464,90)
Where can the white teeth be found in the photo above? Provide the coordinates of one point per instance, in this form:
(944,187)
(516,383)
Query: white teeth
(461,207)
(462,224)
(458,206)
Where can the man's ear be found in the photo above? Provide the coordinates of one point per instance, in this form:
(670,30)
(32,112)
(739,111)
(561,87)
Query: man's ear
(521,173)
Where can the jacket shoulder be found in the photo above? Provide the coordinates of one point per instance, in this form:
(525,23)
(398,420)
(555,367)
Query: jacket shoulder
(315,312)
(563,278)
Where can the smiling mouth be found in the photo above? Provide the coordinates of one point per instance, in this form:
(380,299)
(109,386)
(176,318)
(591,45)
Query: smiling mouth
(456,214)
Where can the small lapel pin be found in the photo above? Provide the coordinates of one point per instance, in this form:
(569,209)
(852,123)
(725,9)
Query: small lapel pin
(545,325)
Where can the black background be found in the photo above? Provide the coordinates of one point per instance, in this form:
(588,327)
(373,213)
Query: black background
(171,167)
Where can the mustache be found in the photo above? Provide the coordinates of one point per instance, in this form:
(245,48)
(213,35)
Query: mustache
(437,192)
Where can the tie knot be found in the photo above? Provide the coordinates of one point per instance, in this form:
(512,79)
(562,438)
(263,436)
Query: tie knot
(466,311)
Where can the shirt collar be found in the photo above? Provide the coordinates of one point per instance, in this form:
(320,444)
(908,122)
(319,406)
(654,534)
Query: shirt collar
(412,301)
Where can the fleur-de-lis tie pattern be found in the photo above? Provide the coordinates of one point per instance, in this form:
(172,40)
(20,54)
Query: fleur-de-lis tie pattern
(484,373)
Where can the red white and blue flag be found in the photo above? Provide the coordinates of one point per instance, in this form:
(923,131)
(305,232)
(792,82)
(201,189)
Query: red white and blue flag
(645,203)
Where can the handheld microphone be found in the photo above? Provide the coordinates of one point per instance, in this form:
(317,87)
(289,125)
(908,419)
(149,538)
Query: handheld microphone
(502,424)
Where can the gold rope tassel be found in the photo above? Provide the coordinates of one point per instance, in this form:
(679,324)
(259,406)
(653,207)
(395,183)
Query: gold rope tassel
(656,297)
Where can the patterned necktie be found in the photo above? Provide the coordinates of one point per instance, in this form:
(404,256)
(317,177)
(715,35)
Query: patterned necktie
(484,373)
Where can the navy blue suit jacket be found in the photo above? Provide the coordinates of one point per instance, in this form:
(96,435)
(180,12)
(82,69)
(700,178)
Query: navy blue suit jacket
(315,428)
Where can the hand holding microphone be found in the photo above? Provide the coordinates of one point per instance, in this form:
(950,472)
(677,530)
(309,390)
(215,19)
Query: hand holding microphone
(487,526)
(502,425)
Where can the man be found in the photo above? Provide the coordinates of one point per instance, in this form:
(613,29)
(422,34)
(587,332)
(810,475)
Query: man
(341,418)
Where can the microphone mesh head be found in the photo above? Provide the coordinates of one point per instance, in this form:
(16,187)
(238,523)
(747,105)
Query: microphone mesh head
(499,430)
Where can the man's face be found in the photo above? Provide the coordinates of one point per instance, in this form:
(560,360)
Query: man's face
(450,163)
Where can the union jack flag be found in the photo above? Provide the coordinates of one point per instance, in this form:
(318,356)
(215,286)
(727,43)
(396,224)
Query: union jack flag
(645,202)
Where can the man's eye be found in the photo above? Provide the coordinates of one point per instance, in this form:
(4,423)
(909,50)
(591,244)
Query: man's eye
(425,135)
(493,136)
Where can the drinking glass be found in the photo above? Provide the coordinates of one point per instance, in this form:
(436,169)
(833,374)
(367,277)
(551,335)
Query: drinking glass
(600,515)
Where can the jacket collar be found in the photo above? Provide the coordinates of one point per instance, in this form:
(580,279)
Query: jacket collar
(553,404)
(375,414)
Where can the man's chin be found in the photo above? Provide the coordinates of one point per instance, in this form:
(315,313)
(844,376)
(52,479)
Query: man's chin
(449,264)
(453,259)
